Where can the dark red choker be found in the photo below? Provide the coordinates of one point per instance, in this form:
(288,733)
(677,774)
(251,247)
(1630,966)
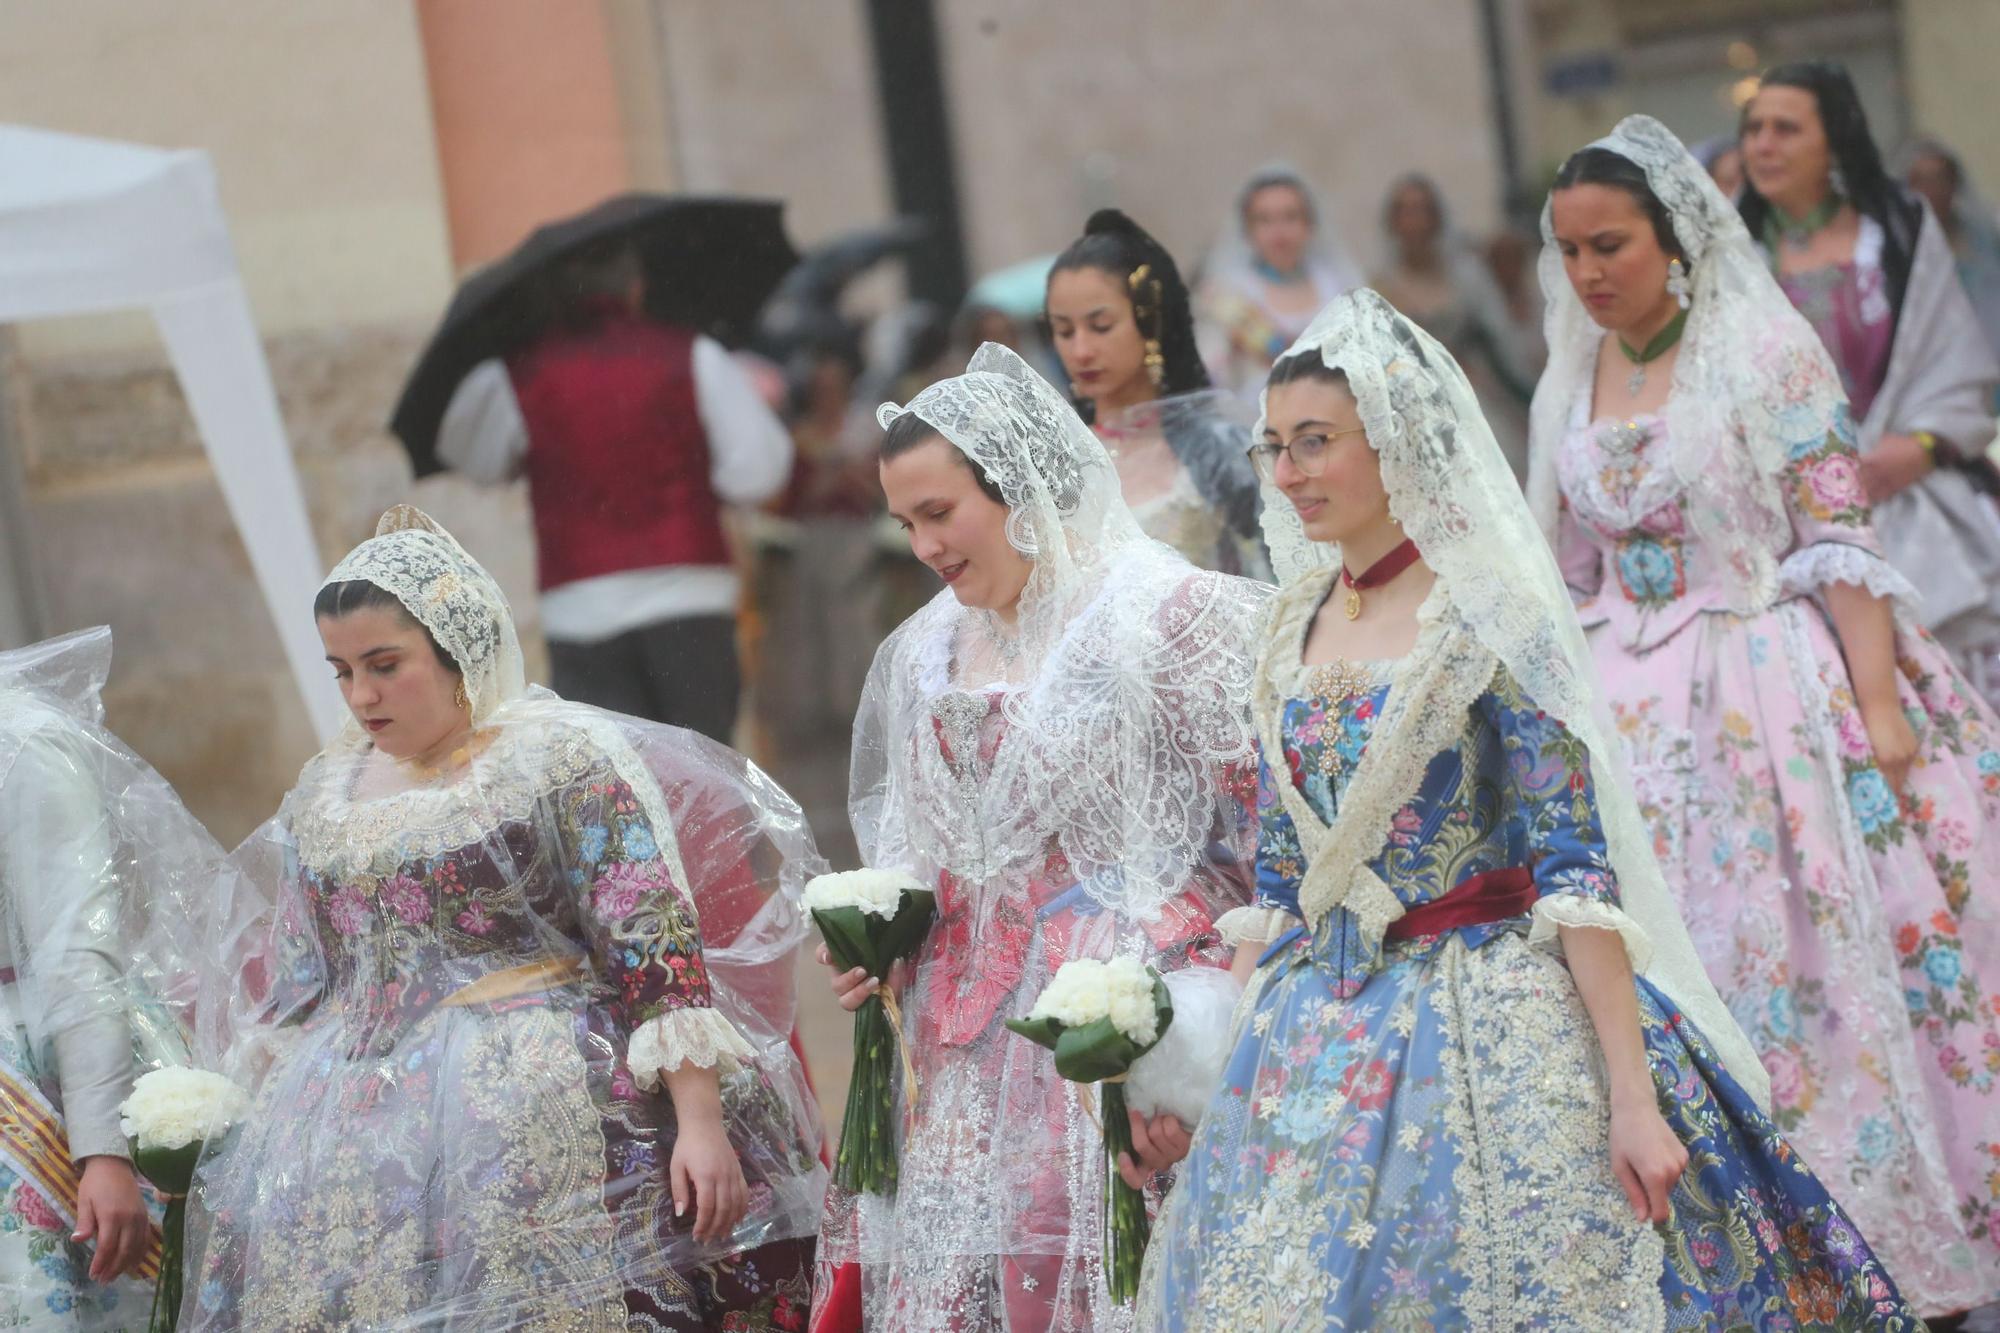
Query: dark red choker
(1376,575)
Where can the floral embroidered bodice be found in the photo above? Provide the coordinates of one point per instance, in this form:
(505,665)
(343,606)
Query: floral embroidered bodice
(1514,791)
(1626,546)
(977,954)
(407,898)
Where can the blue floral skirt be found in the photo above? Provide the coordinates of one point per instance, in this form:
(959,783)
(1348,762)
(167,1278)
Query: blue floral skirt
(1427,1148)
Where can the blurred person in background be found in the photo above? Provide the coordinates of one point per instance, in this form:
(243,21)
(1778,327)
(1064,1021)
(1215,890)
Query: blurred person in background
(1435,277)
(1872,271)
(634,436)
(1723,161)
(1118,315)
(817,558)
(1510,258)
(1971,227)
(1274,263)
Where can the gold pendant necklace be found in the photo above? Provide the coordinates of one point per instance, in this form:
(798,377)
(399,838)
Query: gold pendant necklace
(1377,574)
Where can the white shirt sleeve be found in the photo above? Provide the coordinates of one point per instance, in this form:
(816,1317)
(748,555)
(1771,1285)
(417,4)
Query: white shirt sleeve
(482,434)
(750,452)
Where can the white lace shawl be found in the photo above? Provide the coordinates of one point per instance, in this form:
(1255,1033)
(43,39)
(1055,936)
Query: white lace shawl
(1125,687)
(1499,603)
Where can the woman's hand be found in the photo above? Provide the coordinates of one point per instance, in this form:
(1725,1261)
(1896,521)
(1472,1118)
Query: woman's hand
(706,1174)
(1646,1157)
(853,987)
(110,1211)
(1893,739)
(1896,463)
(1158,1144)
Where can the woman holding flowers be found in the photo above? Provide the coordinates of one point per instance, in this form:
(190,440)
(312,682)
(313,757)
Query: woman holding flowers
(518,1013)
(1482,1081)
(1057,747)
(1821,784)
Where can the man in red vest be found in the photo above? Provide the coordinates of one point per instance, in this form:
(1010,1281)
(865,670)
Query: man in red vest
(633,435)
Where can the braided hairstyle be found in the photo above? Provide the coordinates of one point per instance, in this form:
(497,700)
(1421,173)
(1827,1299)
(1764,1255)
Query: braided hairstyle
(1114,244)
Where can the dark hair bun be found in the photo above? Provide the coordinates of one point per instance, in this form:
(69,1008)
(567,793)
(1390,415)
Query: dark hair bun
(1113,220)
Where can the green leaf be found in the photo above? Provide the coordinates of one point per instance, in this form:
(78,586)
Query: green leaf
(911,923)
(171,1169)
(1041,1031)
(847,938)
(1096,1050)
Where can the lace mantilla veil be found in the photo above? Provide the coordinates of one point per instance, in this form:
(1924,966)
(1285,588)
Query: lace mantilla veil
(1751,382)
(1125,677)
(1498,602)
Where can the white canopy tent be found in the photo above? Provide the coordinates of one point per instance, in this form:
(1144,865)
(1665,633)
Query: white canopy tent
(92,225)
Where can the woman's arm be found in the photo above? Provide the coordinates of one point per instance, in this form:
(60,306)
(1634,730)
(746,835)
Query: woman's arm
(1838,557)
(1645,1154)
(1866,626)
(1550,782)
(641,929)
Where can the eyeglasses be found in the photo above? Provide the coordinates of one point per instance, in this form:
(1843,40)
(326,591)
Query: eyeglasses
(1309,453)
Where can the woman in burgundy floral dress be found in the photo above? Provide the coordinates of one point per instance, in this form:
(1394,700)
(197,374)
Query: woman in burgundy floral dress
(503,1077)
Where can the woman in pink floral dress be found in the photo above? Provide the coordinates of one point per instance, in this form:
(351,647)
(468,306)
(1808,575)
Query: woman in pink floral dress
(1824,788)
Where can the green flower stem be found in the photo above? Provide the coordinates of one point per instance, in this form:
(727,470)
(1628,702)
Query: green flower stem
(866,1160)
(1126,1228)
(166,1315)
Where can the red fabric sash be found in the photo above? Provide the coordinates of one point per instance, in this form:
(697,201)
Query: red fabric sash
(1493,896)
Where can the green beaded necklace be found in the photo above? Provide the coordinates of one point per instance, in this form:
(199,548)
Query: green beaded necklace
(1655,349)
(1798,232)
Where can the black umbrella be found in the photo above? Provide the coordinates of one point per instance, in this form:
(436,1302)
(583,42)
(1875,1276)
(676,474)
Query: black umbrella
(710,265)
(805,308)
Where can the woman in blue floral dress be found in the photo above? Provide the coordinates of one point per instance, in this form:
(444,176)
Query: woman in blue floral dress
(1480,1080)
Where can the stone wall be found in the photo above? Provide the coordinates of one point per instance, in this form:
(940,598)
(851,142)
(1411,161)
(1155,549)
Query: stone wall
(128,528)
(1164,107)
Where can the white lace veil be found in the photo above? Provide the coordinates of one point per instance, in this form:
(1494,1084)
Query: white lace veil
(1751,380)
(1124,684)
(420,564)
(1499,600)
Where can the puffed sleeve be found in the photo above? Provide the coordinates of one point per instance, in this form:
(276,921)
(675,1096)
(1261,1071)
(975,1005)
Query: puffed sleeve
(1549,787)
(1833,536)
(1280,866)
(57,865)
(639,924)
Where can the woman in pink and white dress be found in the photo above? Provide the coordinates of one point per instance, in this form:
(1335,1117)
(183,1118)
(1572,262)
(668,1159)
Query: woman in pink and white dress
(1823,787)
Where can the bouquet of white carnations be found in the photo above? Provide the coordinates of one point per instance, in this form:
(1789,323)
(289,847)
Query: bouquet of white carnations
(171,1117)
(872,918)
(1099,1018)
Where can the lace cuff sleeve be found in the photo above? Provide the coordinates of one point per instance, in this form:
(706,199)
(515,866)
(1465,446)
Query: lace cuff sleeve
(1811,568)
(704,1038)
(1569,909)
(1254,926)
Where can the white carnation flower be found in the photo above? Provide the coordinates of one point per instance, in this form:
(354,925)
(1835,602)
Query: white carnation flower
(1086,990)
(173,1107)
(877,892)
